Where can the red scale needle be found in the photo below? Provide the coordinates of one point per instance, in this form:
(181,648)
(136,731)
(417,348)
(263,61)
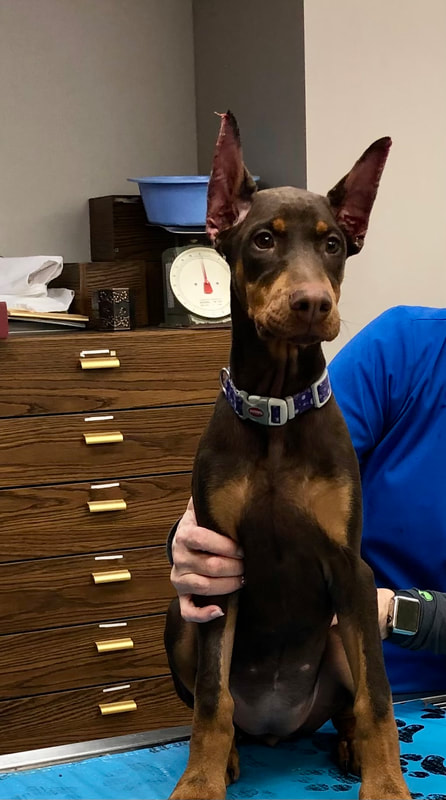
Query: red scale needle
(207,288)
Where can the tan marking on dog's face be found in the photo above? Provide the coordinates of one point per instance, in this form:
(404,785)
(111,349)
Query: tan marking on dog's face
(279,225)
(226,504)
(239,272)
(269,308)
(321,227)
(256,298)
(238,281)
(327,500)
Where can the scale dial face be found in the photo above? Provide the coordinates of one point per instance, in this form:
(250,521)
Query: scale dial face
(200,280)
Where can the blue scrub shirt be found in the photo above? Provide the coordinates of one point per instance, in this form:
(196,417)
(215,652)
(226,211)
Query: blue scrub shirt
(390,383)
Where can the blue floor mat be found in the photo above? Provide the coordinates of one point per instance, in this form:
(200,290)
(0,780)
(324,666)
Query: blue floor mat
(299,770)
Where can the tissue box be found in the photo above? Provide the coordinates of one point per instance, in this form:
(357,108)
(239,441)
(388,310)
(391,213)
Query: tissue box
(85,278)
(112,309)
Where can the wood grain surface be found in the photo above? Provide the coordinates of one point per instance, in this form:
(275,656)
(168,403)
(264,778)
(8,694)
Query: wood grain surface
(45,450)
(67,658)
(67,717)
(53,592)
(42,374)
(43,521)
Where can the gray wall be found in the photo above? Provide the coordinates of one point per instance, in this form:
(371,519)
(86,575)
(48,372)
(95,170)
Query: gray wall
(249,57)
(91,92)
(388,81)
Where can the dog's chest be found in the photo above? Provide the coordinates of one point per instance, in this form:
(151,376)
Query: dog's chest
(280,489)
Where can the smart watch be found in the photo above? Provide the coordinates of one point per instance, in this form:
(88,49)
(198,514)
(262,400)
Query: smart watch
(404,618)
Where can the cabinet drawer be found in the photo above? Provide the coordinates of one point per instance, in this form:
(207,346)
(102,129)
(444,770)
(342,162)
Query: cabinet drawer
(39,521)
(62,591)
(43,374)
(43,450)
(67,717)
(81,656)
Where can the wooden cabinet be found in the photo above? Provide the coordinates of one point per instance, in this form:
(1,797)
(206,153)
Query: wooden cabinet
(97,438)
(59,718)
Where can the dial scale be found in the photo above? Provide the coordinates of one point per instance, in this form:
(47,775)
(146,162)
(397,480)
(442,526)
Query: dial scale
(196,286)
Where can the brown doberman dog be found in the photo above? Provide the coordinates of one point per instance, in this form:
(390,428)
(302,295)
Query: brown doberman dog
(276,471)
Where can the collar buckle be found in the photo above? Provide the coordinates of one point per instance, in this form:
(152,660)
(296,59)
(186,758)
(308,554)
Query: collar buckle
(277,411)
(321,390)
(272,411)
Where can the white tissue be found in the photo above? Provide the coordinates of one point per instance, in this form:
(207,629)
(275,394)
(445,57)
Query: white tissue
(24,283)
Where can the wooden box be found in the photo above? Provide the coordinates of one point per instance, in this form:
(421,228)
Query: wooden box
(119,230)
(3,321)
(87,277)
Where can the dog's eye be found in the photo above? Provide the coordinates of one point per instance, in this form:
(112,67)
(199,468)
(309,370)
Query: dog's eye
(263,240)
(332,245)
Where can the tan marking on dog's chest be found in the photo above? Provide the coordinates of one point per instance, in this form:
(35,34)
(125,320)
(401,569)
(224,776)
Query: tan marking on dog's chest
(327,500)
(226,504)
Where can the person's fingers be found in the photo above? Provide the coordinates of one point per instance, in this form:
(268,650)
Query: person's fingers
(192,613)
(219,567)
(193,583)
(193,537)
(210,566)
(385,599)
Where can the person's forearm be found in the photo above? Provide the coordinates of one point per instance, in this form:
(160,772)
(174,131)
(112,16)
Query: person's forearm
(431,634)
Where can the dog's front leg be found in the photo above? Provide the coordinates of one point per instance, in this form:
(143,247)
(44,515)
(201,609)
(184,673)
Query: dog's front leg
(375,739)
(212,727)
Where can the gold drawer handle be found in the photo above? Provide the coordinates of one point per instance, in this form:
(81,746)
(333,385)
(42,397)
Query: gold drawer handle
(117,708)
(97,506)
(110,362)
(103,438)
(113,645)
(112,576)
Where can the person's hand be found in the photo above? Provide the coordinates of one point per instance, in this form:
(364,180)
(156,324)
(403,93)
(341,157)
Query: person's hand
(205,563)
(385,597)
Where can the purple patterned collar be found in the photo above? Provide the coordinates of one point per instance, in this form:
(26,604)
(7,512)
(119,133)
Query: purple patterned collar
(275,411)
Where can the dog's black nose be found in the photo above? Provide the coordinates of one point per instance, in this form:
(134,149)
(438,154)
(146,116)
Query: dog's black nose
(312,304)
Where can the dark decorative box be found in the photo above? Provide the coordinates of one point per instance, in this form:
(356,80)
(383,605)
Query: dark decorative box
(112,309)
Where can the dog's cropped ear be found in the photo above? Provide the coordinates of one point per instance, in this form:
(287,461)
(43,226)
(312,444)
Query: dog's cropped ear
(351,200)
(230,186)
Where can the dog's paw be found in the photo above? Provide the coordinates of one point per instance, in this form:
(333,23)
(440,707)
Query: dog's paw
(385,789)
(198,787)
(233,768)
(348,756)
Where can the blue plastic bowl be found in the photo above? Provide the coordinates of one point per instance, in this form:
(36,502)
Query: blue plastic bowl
(174,199)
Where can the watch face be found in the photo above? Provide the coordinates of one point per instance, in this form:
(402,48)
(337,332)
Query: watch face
(406,615)
(200,280)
